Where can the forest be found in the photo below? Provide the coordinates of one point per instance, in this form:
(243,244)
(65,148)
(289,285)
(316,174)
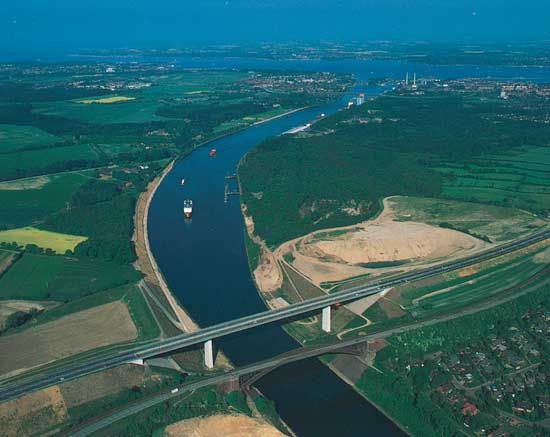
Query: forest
(336,173)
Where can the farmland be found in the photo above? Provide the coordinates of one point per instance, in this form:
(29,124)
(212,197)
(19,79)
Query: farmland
(55,241)
(45,160)
(31,200)
(90,329)
(45,277)
(518,178)
(15,138)
(107,100)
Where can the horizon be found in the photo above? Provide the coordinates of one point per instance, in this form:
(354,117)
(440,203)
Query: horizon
(35,27)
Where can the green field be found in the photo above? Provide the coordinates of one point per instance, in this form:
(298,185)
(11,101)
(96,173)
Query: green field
(42,277)
(5,254)
(498,223)
(454,291)
(48,160)
(144,103)
(14,137)
(466,290)
(133,111)
(518,177)
(28,201)
(107,100)
(55,241)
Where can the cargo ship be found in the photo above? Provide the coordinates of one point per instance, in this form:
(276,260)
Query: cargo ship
(212,153)
(187,208)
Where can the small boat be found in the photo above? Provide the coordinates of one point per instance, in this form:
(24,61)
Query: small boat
(212,153)
(188,208)
(182,181)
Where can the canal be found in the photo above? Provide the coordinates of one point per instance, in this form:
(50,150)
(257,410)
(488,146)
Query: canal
(205,265)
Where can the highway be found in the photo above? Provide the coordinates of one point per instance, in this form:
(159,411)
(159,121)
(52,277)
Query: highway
(295,355)
(159,347)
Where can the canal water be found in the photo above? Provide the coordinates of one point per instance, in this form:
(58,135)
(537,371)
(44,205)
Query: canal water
(205,265)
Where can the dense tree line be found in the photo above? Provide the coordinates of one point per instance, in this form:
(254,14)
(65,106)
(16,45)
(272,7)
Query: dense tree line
(27,92)
(388,146)
(102,212)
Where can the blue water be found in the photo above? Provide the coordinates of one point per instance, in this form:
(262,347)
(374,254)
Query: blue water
(204,260)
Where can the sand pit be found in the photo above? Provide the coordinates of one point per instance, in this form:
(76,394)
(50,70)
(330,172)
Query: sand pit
(375,247)
(395,241)
(268,274)
(79,332)
(222,425)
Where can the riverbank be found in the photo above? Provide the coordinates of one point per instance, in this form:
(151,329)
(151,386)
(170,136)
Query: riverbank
(146,262)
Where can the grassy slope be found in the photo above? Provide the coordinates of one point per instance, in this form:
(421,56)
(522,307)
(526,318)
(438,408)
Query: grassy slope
(43,277)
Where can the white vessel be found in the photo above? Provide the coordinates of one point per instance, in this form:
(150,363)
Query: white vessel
(188,208)
(295,130)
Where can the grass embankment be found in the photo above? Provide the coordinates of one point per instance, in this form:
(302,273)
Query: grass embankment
(444,294)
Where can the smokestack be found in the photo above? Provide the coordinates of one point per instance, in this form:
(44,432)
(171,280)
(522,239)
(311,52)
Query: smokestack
(407,79)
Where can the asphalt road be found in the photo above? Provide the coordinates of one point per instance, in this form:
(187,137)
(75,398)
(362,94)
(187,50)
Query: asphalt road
(130,409)
(159,347)
(143,404)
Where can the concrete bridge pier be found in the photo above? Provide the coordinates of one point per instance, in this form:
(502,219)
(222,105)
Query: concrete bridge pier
(326,319)
(209,354)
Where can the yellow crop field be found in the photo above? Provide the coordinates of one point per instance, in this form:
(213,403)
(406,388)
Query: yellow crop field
(107,100)
(59,243)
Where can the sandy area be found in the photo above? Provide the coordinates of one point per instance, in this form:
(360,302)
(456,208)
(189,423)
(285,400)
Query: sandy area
(78,332)
(146,261)
(268,275)
(222,425)
(33,413)
(334,254)
(394,241)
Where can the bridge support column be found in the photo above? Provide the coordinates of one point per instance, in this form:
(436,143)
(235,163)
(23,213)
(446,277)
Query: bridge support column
(209,354)
(326,319)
